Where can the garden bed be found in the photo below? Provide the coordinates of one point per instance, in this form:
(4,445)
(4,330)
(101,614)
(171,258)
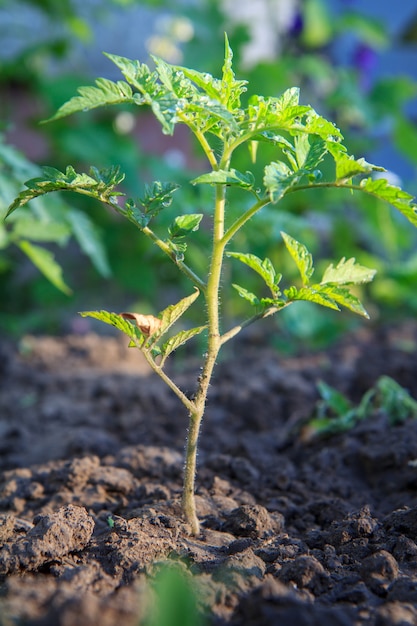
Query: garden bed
(296,529)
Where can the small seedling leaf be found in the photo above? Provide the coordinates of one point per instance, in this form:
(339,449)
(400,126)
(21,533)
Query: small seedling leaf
(332,399)
(347,272)
(396,401)
(301,256)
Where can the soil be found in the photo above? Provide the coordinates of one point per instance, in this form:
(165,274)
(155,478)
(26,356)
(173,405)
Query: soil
(297,529)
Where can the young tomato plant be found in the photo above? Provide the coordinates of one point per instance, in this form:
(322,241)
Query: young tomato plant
(212,110)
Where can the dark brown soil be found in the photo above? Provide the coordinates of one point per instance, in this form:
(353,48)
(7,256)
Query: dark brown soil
(296,530)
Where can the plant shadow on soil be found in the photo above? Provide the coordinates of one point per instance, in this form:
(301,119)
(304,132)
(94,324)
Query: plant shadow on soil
(297,530)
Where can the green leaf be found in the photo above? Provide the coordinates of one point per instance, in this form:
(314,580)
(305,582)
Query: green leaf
(395,400)
(310,151)
(347,272)
(368,30)
(246,295)
(226,177)
(317,125)
(172,92)
(328,295)
(30,227)
(184,224)
(173,312)
(178,340)
(342,296)
(158,196)
(311,294)
(210,115)
(178,247)
(301,256)
(134,214)
(174,80)
(168,317)
(263,267)
(164,107)
(401,200)
(278,179)
(278,140)
(138,75)
(210,85)
(98,184)
(45,262)
(119,322)
(290,98)
(333,399)
(89,240)
(107,178)
(405,136)
(106,92)
(347,166)
(231,89)
(266,114)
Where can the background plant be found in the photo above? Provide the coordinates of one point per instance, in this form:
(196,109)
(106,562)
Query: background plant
(336,414)
(47,222)
(308,154)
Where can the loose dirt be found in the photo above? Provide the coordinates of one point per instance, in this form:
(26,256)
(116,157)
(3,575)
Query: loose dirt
(297,530)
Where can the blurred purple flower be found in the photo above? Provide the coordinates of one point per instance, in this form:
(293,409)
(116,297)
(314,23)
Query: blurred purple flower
(364,60)
(297,25)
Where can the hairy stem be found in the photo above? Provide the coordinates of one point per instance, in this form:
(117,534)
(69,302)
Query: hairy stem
(213,347)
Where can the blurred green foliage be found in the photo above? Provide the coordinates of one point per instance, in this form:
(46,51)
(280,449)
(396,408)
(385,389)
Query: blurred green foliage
(370,112)
(335,413)
(174,597)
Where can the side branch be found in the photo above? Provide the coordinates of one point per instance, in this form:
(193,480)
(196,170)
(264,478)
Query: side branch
(196,280)
(241,221)
(189,404)
(259,316)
